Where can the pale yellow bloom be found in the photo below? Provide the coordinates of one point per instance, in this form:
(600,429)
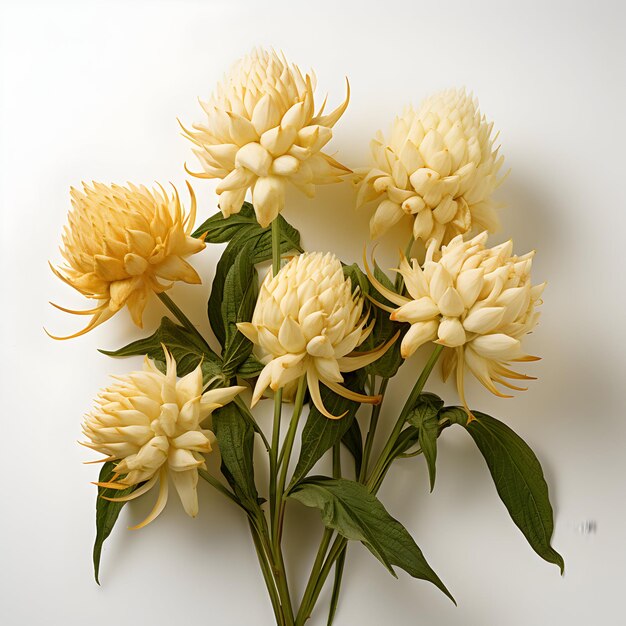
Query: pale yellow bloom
(121,242)
(439,167)
(152,424)
(477,301)
(307,321)
(261,131)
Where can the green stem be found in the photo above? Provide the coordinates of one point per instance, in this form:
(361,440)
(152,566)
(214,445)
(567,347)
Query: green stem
(408,406)
(278,404)
(371,433)
(373,484)
(337,460)
(215,483)
(266,569)
(286,454)
(303,613)
(181,317)
(306,606)
(275,247)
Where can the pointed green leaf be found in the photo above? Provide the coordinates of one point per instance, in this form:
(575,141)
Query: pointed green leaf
(350,509)
(241,289)
(185,347)
(250,368)
(320,433)
(107,513)
(424,417)
(235,436)
(518,477)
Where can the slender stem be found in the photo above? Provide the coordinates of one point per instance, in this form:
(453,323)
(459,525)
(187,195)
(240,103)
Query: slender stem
(243,407)
(266,569)
(286,454)
(373,484)
(306,606)
(337,460)
(278,404)
(275,246)
(214,482)
(371,433)
(409,404)
(317,582)
(181,317)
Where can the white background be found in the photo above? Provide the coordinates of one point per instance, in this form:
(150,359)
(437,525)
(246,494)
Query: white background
(92,91)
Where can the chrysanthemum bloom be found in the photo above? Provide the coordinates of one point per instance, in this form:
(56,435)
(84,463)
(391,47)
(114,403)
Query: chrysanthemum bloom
(120,243)
(477,301)
(261,131)
(308,321)
(440,167)
(151,423)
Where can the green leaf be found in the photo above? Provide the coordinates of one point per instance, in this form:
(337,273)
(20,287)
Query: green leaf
(250,368)
(220,229)
(235,436)
(107,513)
(350,509)
(227,260)
(185,347)
(241,289)
(518,477)
(321,433)
(425,417)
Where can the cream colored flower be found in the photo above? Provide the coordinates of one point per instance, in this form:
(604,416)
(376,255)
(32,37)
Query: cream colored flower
(439,167)
(261,131)
(151,423)
(476,301)
(308,321)
(119,244)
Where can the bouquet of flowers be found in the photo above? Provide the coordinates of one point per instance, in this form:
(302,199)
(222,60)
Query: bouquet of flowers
(319,337)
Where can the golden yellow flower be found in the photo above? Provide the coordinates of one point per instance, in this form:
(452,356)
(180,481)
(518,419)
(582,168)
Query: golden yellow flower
(261,131)
(151,424)
(120,243)
(477,301)
(439,167)
(307,321)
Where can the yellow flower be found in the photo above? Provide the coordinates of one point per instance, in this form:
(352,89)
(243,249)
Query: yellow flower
(439,167)
(120,242)
(477,301)
(308,321)
(151,423)
(261,131)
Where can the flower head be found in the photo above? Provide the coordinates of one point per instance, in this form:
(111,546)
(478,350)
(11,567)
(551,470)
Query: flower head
(439,167)
(261,131)
(120,242)
(151,424)
(477,301)
(308,321)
